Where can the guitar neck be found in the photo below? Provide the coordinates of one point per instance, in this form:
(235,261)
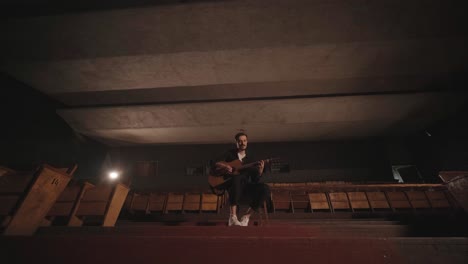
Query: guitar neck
(248,165)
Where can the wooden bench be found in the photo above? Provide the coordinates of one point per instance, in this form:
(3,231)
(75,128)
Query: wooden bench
(175,202)
(137,203)
(281,200)
(299,201)
(67,204)
(358,201)
(378,201)
(103,201)
(162,202)
(438,200)
(192,202)
(456,183)
(339,201)
(210,202)
(26,197)
(398,200)
(319,201)
(157,203)
(448,176)
(418,199)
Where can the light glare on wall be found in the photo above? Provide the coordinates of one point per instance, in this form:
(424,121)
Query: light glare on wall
(113,175)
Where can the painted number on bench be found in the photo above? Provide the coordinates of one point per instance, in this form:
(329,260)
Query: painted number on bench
(55,181)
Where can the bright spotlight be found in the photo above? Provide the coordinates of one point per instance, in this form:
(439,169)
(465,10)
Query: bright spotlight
(113,175)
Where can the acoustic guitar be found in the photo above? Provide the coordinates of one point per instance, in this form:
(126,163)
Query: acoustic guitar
(218,176)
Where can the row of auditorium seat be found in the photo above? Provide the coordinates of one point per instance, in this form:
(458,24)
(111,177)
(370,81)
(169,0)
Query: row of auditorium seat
(162,202)
(371,200)
(393,198)
(37,198)
(46,195)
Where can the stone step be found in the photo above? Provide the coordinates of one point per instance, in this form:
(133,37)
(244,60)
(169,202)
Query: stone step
(272,230)
(250,245)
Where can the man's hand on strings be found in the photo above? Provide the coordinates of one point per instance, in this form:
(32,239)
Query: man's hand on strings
(223,168)
(261,167)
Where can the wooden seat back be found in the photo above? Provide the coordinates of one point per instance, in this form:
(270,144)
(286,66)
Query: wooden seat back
(175,202)
(157,202)
(210,202)
(378,200)
(192,202)
(339,201)
(418,199)
(358,200)
(68,203)
(299,201)
(438,199)
(319,201)
(398,200)
(281,200)
(104,200)
(27,197)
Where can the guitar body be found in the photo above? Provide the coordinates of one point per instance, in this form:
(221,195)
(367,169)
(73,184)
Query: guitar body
(216,179)
(218,176)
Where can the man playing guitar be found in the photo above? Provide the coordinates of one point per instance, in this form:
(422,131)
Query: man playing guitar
(241,176)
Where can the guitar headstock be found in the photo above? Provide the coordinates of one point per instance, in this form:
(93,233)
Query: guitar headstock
(272,160)
(277,164)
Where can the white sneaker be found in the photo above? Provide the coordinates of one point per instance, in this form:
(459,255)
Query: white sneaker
(245,220)
(233,221)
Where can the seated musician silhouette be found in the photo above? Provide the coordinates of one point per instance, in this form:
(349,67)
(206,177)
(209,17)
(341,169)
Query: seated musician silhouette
(241,179)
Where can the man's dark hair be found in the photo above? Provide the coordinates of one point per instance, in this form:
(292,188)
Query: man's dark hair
(240,134)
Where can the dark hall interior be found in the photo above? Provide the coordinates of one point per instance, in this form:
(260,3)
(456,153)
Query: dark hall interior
(364,104)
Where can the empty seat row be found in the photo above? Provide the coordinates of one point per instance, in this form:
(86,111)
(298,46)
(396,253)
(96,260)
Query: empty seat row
(295,201)
(173,202)
(358,200)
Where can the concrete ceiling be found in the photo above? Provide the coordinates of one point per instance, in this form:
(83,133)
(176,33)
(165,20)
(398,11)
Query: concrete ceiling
(281,70)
